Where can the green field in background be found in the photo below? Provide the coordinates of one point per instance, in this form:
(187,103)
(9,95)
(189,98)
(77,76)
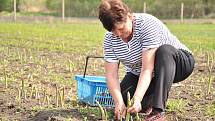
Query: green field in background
(85,37)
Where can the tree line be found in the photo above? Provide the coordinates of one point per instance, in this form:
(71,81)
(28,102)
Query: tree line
(88,8)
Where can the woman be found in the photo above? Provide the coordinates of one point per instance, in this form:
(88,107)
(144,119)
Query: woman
(153,57)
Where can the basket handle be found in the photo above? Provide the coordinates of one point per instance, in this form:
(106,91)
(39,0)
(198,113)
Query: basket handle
(87,58)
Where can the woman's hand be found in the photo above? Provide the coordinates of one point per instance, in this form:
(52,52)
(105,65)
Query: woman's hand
(120,109)
(136,107)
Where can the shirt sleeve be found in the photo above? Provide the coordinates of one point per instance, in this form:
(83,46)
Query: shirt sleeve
(151,33)
(109,54)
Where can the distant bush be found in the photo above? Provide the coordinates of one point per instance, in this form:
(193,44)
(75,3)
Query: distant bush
(6,5)
(166,9)
(53,5)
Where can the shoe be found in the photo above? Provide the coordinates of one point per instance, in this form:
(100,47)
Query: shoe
(155,116)
(146,111)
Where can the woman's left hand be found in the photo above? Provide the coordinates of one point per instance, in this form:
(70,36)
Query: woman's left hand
(136,107)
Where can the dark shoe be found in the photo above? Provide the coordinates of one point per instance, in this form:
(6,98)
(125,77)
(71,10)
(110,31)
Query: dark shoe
(146,111)
(155,116)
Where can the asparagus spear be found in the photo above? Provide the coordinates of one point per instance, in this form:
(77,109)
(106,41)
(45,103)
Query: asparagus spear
(128,115)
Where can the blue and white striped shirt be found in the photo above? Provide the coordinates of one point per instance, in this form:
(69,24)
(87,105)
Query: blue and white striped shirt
(148,32)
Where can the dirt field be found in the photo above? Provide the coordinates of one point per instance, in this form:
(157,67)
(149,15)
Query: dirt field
(193,91)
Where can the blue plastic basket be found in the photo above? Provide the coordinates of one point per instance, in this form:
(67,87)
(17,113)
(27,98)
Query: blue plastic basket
(92,88)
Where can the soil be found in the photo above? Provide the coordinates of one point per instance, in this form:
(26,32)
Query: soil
(194,90)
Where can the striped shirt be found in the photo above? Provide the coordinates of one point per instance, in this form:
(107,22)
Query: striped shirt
(148,32)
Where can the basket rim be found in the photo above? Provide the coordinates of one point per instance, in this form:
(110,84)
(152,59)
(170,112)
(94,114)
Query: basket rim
(89,78)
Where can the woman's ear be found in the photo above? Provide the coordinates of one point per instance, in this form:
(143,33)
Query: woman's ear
(130,16)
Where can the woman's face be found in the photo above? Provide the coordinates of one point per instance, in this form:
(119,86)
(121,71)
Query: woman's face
(124,29)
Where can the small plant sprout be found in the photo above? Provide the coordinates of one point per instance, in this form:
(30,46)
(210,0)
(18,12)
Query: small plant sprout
(70,65)
(63,93)
(25,95)
(74,101)
(44,95)
(5,77)
(129,104)
(39,102)
(22,88)
(25,55)
(47,100)
(176,105)
(8,50)
(85,118)
(68,119)
(103,112)
(33,91)
(210,60)
(128,115)
(36,93)
(137,118)
(30,77)
(18,98)
(121,118)
(20,58)
(210,80)
(61,99)
(56,89)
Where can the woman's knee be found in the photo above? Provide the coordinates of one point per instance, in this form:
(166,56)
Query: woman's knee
(165,50)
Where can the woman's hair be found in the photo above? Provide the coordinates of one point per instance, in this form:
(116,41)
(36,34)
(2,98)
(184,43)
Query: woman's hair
(112,12)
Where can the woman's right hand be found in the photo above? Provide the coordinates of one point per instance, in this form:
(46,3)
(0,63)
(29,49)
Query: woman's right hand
(120,109)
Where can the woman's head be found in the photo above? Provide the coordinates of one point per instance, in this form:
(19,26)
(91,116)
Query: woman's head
(112,12)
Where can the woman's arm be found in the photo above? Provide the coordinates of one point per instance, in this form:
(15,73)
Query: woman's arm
(114,88)
(145,78)
(111,73)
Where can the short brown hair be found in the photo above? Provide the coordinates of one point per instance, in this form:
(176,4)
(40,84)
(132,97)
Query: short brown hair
(112,12)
